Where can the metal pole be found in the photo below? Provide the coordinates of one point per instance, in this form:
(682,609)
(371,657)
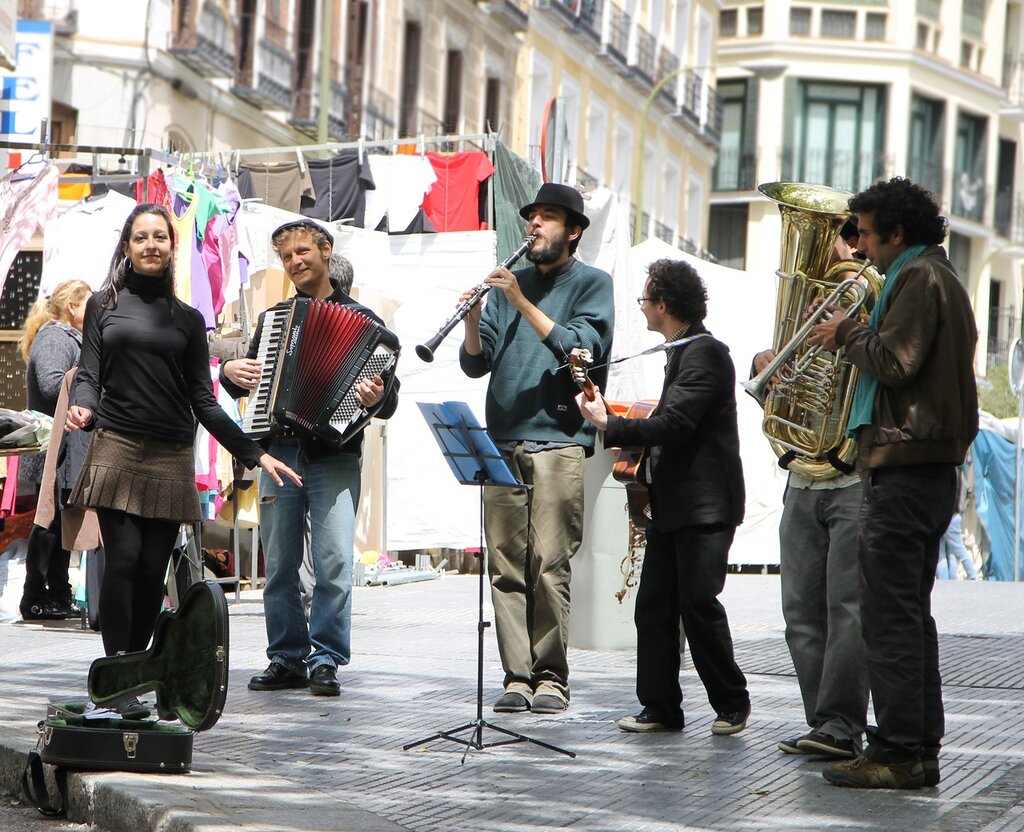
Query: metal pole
(326,30)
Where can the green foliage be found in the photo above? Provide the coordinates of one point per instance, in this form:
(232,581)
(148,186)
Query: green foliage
(994,393)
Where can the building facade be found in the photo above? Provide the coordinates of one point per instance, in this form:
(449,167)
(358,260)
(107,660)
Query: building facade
(927,89)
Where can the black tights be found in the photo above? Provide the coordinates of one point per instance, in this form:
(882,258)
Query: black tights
(137,550)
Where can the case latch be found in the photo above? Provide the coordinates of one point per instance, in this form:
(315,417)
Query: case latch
(131,742)
(47,734)
(222,654)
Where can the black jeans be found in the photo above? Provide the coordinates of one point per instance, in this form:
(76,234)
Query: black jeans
(905,512)
(683,574)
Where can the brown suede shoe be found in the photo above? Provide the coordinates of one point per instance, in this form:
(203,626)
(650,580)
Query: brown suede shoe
(862,773)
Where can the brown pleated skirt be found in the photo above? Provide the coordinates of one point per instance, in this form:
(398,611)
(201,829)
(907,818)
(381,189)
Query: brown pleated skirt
(140,476)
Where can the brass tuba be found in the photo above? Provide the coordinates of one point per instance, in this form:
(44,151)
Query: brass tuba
(807,409)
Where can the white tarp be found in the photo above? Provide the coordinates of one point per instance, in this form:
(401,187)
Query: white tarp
(414,282)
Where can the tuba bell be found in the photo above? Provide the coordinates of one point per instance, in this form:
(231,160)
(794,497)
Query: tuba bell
(807,408)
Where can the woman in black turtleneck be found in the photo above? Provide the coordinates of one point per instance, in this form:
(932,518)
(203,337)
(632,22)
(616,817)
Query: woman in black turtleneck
(143,380)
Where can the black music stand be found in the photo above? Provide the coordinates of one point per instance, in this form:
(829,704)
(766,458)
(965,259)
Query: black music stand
(474,460)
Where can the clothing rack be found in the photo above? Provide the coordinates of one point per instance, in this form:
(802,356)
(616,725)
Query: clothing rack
(486,141)
(144,156)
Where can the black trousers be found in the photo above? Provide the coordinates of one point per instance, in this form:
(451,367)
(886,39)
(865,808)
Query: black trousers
(683,574)
(46,566)
(904,514)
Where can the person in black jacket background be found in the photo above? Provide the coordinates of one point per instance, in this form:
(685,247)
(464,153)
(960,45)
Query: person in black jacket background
(691,464)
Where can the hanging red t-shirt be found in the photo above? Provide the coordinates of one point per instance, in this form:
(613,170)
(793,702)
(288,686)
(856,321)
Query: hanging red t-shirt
(453,202)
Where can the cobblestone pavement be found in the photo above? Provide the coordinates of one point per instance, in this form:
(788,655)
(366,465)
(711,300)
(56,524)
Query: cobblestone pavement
(287,760)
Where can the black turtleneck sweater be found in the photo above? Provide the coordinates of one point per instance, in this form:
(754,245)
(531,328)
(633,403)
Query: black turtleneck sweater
(145,370)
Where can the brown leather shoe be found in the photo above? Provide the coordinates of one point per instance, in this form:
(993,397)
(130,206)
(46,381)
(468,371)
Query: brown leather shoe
(862,773)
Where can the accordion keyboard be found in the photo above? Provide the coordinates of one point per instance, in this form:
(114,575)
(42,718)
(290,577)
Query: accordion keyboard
(349,408)
(257,420)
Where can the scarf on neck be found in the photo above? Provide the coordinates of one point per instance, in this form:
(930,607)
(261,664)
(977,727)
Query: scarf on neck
(867,386)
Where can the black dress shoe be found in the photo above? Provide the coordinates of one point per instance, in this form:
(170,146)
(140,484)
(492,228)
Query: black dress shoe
(68,607)
(278,677)
(42,611)
(323,681)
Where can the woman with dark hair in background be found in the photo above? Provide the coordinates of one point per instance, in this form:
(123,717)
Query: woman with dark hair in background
(50,345)
(144,379)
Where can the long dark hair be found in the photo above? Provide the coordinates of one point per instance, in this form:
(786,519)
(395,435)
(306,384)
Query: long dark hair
(120,265)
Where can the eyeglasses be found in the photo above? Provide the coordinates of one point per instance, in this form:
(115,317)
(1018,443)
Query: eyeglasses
(640,300)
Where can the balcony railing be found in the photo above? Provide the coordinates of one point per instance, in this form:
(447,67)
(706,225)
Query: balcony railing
(735,171)
(702,108)
(209,49)
(380,114)
(837,169)
(591,13)
(969,196)
(646,49)
(668,64)
(930,9)
(618,33)
(664,233)
(1013,79)
(515,13)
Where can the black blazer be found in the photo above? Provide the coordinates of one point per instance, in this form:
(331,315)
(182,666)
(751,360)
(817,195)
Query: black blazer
(692,439)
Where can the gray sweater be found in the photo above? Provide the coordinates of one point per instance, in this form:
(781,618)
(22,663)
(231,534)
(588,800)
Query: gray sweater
(54,351)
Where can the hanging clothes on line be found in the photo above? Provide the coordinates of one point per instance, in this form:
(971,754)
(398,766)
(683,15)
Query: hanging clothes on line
(453,203)
(281,184)
(401,184)
(83,241)
(26,206)
(340,185)
(158,192)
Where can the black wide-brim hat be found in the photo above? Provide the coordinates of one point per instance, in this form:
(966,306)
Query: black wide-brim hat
(303,224)
(564,196)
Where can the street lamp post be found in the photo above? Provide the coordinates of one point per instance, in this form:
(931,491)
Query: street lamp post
(766,70)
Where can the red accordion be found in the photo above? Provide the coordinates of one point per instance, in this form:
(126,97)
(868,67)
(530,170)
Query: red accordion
(313,353)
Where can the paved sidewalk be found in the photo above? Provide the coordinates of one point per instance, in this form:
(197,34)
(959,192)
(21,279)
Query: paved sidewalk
(290,761)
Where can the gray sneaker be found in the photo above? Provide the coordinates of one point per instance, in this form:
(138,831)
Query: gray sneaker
(825,745)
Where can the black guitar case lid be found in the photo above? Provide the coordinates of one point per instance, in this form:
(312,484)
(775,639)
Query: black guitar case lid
(186,666)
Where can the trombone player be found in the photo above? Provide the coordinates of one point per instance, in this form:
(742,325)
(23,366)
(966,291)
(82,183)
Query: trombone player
(820,597)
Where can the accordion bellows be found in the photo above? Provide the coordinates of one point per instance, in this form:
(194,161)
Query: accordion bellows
(313,353)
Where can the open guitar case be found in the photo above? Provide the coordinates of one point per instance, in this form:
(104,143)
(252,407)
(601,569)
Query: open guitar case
(186,667)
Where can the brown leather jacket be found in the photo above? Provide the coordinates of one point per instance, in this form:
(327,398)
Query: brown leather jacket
(926,410)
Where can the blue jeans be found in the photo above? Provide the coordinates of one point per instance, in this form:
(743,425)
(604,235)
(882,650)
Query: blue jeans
(330,495)
(821,605)
(953,552)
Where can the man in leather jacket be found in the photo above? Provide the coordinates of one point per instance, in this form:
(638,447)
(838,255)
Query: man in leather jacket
(916,413)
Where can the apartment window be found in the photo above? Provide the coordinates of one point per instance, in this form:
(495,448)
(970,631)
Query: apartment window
(1005,177)
(969,167)
(727,23)
(597,139)
(755,20)
(874,26)
(837,135)
(732,170)
(246,43)
(929,8)
(966,53)
(408,121)
(492,105)
(727,234)
(924,156)
(452,91)
(923,31)
(799,22)
(959,250)
(838,24)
